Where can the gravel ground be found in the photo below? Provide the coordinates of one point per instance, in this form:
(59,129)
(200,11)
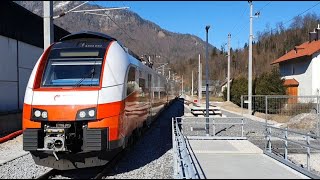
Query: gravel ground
(151,156)
(11,148)
(22,168)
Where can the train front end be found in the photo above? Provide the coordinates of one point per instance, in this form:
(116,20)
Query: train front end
(65,124)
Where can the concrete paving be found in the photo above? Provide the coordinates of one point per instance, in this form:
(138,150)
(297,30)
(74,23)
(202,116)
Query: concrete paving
(238,159)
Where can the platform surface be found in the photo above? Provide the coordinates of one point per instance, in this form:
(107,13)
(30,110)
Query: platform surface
(238,159)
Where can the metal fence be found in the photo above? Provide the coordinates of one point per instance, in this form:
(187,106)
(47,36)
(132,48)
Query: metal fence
(296,141)
(300,113)
(212,127)
(298,150)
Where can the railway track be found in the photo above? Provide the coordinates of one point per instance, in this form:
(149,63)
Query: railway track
(89,173)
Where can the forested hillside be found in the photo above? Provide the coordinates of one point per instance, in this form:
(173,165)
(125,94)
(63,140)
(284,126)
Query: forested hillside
(269,44)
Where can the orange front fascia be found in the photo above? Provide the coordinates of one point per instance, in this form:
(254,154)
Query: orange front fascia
(62,112)
(113,123)
(69,112)
(26,122)
(109,115)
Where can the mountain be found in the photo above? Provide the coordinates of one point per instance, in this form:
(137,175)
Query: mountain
(141,36)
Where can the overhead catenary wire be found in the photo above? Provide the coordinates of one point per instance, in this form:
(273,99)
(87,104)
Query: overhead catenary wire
(64,13)
(114,23)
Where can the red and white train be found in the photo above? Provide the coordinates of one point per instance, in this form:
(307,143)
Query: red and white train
(86,97)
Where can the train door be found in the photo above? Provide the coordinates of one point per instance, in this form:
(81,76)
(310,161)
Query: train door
(130,100)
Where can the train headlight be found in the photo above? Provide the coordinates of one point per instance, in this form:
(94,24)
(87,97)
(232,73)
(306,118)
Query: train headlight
(87,114)
(39,114)
(44,114)
(91,113)
(82,114)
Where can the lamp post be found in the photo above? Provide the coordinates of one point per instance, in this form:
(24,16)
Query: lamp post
(207,85)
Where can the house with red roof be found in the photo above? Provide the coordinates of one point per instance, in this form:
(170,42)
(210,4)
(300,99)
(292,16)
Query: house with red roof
(300,67)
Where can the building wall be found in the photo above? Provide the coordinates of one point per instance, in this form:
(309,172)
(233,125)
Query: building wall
(17,60)
(301,70)
(316,74)
(21,44)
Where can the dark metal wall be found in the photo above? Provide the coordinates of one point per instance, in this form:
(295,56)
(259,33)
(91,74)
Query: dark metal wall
(18,23)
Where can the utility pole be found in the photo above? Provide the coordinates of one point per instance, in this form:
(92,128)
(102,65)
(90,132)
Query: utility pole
(169,75)
(192,84)
(199,83)
(250,60)
(228,79)
(47,24)
(207,84)
(250,64)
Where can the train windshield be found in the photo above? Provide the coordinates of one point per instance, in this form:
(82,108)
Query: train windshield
(73,67)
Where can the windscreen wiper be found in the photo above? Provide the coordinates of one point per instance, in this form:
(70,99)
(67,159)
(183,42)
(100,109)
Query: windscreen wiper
(91,74)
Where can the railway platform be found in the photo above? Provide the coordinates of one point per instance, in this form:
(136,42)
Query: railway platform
(205,149)
(237,159)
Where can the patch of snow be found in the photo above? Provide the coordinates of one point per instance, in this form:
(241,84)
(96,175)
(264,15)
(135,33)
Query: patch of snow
(60,5)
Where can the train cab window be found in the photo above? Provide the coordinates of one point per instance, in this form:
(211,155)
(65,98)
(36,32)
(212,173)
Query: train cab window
(70,67)
(131,83)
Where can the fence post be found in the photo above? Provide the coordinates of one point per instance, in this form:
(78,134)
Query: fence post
(242,127)
(242,105)
(286,144)
(269,139)
(308,152)
(213,127)
(266,104)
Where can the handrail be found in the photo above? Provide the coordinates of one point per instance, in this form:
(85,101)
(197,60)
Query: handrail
(300,133)
(214,123)
(268,148)
(184,166)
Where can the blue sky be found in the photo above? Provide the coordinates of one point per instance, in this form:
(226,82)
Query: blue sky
(223,16)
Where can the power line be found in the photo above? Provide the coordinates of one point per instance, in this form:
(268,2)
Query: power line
(240,30)
(240,17)
(274,29)
(302,12)
(264,6)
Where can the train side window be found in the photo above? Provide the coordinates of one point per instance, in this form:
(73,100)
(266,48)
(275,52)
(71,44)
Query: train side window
(149,83)
(142,86)
(131,83)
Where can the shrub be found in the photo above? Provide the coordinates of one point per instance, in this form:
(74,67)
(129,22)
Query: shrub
(238,87)
(270,83)
(224,93)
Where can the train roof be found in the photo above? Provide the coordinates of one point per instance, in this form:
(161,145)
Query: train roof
(91,34)
(87,34)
